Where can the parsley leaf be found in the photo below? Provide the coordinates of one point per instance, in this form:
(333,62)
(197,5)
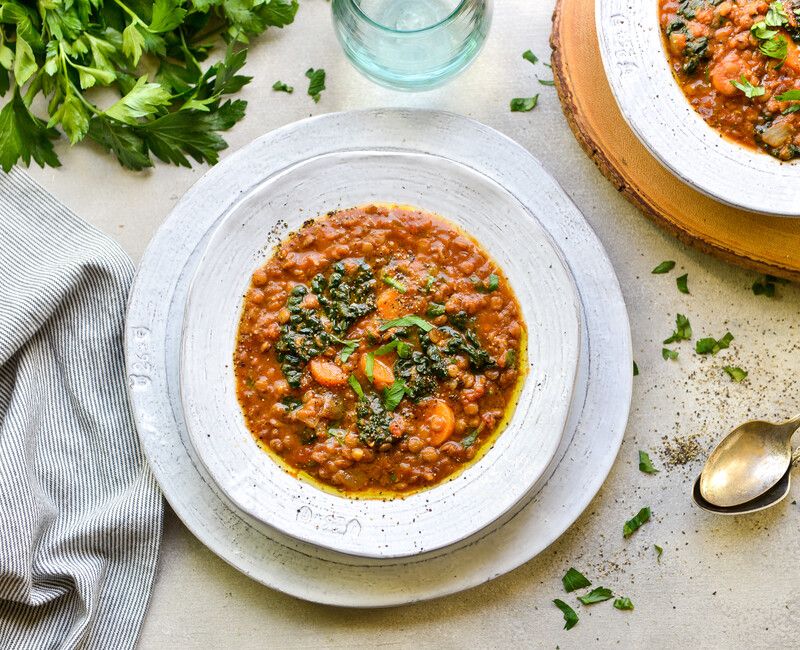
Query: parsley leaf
(632,525)
(659,551)
(472,436)
(369,367)
(635,369)
(669,355)
(356,387)
(393,395)
(776,15)
(547,82)
(789,96)
(316,83)
(143,100)
(747,88)
(570,617)
(683,283)
(623,603)
(775,48)
(683,330)
(407,321)
(23,136)
(766,287)
(664,267)
(712,346)
(523,104)
(395,284)
(574,579)
(350,346)
(735,373)
(530,56)
(762,32)
(597,595)
(645,464)
(403,349)
(282,87)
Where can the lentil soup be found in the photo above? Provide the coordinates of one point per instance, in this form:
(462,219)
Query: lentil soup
(738,63)
(380,351)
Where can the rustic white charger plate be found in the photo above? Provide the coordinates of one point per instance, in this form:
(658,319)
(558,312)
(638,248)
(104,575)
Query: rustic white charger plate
(597,417)
(446,513)
(658,113)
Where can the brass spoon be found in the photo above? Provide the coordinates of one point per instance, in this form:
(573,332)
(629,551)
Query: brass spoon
(750,464)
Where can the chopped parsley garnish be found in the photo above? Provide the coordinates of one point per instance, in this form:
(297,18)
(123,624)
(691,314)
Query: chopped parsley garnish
(316,83)
(735,373)
(530,56)
(350,346)
(356,387)
(369,366)
(632,525)
(574,579)
(645,464)
(659,551)
(429,282)
(623,603)
(766,287)
(402,348)
(282,87)
(712,346)
(570,617)
(747,88)
(635,369)
(395,284)
(776,15)
(523,104)
(775,48)
(393,395)
(762,32)
(664,267)
(683,330)
(435,310)
(669,355)
(597,595)
(472,436)
(491,284)
(411,320)
(683,283)
(789,96)
(547,82)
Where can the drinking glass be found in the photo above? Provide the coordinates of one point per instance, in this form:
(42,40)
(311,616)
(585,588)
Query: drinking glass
(411,44)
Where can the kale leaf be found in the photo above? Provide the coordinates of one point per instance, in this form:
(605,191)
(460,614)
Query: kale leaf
(345,298)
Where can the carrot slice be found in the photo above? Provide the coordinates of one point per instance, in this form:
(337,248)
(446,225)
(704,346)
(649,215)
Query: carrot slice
(389,304)
(441,421)
(327,373)
(382,373)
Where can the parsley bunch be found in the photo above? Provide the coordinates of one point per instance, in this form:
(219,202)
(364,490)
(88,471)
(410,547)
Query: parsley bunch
(54,54)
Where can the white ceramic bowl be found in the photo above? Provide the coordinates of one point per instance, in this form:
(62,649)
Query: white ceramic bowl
(656,109)
(455,509)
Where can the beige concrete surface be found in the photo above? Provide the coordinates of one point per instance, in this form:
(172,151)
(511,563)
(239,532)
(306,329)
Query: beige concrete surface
(730,583)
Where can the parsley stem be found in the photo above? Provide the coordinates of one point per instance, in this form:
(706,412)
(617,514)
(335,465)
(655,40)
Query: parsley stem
(130,12)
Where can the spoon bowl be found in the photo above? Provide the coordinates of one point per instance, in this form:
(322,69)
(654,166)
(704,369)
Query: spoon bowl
(775,494)
(747,463)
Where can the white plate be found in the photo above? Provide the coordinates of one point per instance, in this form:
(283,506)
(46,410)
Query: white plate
(152,343)
(446,513)
(656,109)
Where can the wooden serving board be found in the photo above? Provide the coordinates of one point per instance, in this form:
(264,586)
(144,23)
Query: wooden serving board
(767,244)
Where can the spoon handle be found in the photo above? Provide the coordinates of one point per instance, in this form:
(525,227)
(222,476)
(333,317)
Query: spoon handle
(790,426)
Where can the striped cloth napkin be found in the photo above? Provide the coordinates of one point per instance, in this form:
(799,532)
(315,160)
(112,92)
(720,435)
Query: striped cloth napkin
(80,512)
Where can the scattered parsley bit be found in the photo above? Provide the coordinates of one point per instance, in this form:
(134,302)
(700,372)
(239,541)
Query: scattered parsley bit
(407,321)
(669,355)
(369,367)
(316,83)
(574,579)
(747,88)
(632,525)
(356,386)
(491,284)
(735,373)
(435,309)
(393,395)
(547,82)
(776,15)
(471,437)
(712,346)
(530,56)
(683,330)
(429,282)
(766,287)
(635,369)
(350,346)
(597,595)
(659,551)
(395,284)
(775,48)
(664,267)
(402,348)
(282,87)
(789,96)
(523,104)
(623,603)
(683,283)
(762,32)
(570,617)
(645,464)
